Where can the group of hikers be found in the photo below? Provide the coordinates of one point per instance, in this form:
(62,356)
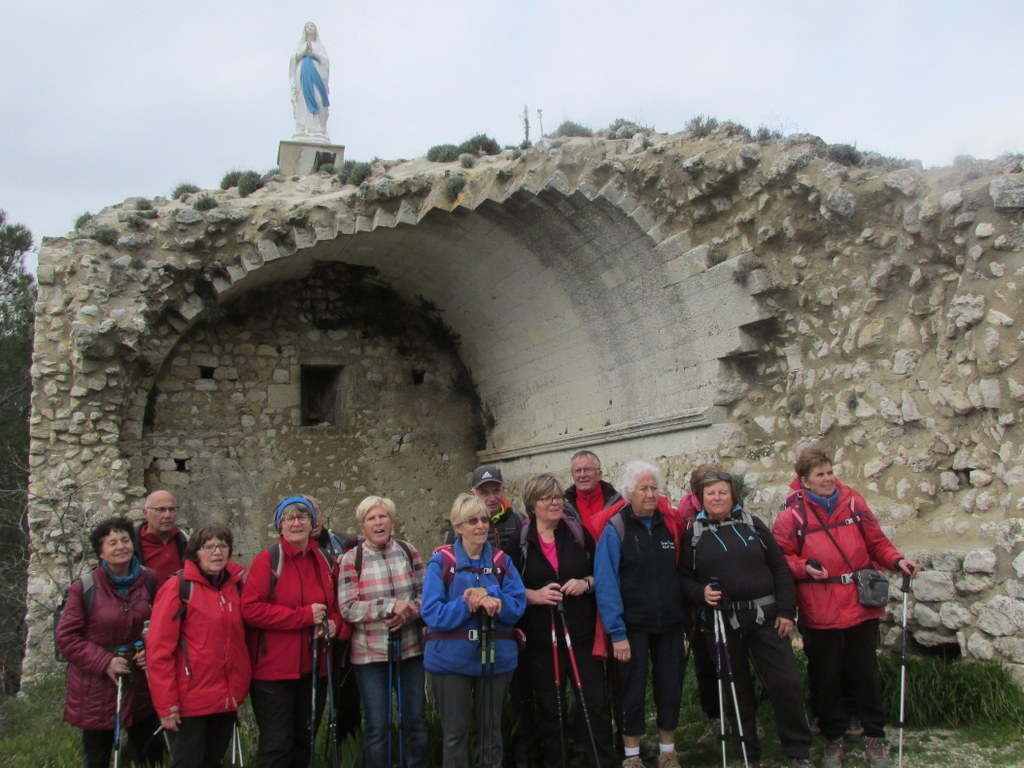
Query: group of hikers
(593,595)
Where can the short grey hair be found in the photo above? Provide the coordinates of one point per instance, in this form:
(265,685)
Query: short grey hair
(633,470)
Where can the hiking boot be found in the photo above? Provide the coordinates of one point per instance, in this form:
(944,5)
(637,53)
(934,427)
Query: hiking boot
(800,762)
(633,762)
(854,731)
(878,753)
(668,760)
(712,732)
(815,728)
(832,757)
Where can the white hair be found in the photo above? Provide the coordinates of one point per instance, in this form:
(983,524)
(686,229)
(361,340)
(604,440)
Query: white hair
(632,471)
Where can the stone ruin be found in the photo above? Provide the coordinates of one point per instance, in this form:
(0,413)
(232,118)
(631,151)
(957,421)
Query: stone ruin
(671,297)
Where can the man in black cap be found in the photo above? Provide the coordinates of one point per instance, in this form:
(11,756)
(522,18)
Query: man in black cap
(506,523)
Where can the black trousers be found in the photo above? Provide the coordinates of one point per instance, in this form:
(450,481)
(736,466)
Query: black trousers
(200,742)
(282,709)
(538,662)
(776,665)
(704,670)
(663,654)
(828,651)
(346,694)
(145,750)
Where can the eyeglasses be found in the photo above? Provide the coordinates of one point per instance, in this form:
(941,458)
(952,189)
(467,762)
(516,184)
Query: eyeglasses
(475,521)
(301,517)
(554,498)
(164,510)
(585,470)
(210,548)
(716,475)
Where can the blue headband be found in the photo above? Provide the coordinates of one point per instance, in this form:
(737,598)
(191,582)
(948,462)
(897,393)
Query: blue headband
(279,512)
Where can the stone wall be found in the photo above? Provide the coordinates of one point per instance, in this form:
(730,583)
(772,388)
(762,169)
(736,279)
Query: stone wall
(226,430)
(675,297)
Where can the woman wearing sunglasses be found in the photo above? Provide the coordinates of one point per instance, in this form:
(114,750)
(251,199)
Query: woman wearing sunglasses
(472,598)
(199,668)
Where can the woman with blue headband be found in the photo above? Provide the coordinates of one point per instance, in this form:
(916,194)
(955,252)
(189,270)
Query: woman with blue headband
(289,604)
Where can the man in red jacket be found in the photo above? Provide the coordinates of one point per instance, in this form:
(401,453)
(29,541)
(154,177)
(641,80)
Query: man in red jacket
(159,543)
(588,494)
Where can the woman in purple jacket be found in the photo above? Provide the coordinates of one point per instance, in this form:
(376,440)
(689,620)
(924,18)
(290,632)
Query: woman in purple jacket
(105,611)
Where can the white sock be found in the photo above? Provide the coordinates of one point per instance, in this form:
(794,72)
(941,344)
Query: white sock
(632,752)
(663,748)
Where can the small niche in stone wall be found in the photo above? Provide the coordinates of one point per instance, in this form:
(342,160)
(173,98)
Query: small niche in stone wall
(417,377)
(320,394)
(206,371)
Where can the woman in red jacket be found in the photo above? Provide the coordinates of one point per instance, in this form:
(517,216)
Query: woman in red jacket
(105,611)
(289,602)
(827,532)
(199,667)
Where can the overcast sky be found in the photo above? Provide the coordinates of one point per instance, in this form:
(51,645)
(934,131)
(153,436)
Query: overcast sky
(107,100)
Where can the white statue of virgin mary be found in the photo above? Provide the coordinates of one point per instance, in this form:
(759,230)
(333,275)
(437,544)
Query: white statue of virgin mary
(309,73)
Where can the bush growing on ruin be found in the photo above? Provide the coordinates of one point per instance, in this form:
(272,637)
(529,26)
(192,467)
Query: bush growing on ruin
(443,153)
(134,221)
(764,133)
(467,161)
(453,187)
(354,172)
(230,179)
(701,126)
(204,203)
(571,128)
(83,220)
(480,143)
(183,188)
(105,235)
(249,182)
(847,154)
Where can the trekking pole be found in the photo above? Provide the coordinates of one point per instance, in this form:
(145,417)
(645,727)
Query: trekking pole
(398,695)
(723,655)
(312,711)
(905,588)
(332,711)
(558,687)
(236,744)
(578,681)
(484,690)
(391,700)
(121,652)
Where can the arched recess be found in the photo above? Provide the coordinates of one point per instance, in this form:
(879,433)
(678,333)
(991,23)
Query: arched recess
(575,324)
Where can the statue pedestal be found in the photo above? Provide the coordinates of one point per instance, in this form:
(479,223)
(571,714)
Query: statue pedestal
(300,158)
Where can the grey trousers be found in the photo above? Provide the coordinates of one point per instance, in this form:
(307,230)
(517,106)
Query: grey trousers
(457,696)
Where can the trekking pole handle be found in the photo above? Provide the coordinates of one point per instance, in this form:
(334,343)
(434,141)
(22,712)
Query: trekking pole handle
(716,585)
(906,582)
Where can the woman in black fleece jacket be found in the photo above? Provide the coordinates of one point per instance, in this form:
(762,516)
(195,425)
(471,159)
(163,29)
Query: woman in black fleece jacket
(731,563)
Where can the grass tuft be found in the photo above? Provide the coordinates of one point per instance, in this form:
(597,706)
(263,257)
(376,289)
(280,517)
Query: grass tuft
(83,220)
(453,187)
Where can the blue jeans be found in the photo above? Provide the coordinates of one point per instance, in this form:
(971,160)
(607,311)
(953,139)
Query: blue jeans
(377,714)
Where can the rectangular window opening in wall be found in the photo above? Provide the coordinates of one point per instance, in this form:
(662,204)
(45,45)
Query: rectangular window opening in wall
(320,394)
(417,377)
(206,371)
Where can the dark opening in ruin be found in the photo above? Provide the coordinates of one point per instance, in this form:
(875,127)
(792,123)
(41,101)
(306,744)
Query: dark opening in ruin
(181,465)
(206,371)
(320,384)
(417,377)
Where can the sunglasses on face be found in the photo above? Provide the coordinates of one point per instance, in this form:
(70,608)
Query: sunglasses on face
(475,521)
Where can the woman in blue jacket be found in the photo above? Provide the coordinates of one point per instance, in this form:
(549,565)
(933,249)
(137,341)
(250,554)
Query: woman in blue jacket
(472,598)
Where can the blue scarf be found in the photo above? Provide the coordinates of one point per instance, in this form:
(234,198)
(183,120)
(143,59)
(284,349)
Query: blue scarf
(828,504)
(123,583)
